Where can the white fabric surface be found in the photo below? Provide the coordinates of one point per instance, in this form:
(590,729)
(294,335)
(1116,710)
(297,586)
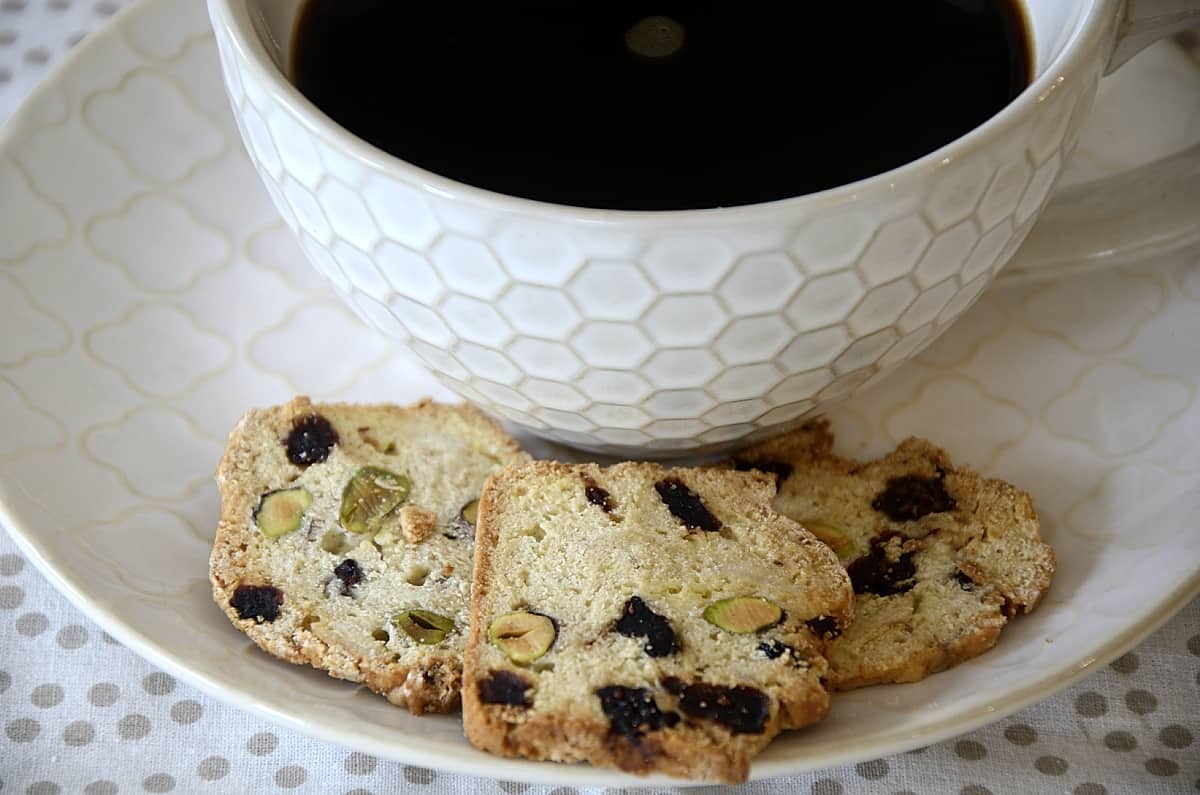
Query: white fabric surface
(81,713)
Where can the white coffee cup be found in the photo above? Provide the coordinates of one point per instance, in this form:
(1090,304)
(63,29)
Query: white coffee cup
(644,333)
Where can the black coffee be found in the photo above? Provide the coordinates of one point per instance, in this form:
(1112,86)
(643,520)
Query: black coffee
(664,105)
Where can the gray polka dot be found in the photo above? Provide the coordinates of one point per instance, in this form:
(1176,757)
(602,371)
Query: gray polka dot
(159,782)
(904,792)
(920,750)
(1125,664)
(133,727)
(5,74)
(32,624)
(22,730)
(186,711)
(106,8)
(974,789)
(564,791)
(109,639)
(13,5)
(511,787)
(11,597)
(213,768)
(359,764)
(262,744)
(43,788)
(60,5)
(873,770)
(37,55)
(360,791)
(71,636)
(158,683)
(291,776)
(102,787)
(75,38)
(78,733)
(1161,767)
(1090,704)
(970,750)
(104,694)
(1141,702)
(7,37)
(10,565)
(827,786)
(421,775)
(1051,765)
(45,696)
(5,681)
(1175,736)
(1090,788)
(1193,645)
(1021,734)
(1120,741)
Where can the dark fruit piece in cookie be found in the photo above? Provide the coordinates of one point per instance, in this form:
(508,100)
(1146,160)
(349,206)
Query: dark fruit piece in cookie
(632,711)
(686,505)
(598,496)
(504,687)
(638,620)
(311,440)
(884,570)
(824,627)
(908,498)
(350,573)
(743,710)
(259,602)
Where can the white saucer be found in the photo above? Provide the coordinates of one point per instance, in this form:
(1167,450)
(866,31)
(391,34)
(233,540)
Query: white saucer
(149,295)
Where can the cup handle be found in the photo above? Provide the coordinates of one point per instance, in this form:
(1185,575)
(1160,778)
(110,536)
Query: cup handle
(1146,21)
(1130,217)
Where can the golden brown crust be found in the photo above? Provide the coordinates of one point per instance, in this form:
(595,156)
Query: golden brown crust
(695,747)
(429,682)
(973,566)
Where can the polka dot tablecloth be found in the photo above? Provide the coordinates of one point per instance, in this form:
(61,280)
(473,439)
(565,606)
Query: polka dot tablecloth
(82,714)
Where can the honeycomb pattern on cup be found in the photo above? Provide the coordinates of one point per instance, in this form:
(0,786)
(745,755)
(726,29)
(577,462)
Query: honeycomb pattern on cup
(604,331)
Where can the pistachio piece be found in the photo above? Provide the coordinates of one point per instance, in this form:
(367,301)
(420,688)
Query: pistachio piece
(370,497)
(463,525)
(743,614)
(522,636)
(833,537)
(280,512)
(423,626)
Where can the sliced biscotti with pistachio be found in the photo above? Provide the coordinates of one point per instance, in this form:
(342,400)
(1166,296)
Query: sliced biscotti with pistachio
(346,539)
(940,557)
(653,619)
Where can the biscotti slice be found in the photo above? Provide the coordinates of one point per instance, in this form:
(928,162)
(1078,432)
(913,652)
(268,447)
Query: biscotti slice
(653,619)
(346,539)
(939,556)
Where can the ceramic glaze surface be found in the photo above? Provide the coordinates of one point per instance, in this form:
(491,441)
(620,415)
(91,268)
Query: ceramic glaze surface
(656,333)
